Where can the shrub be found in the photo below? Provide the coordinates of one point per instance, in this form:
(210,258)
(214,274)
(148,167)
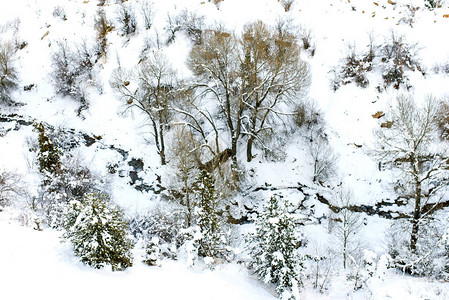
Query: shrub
(147,12)
(126,18)
(307,41)
(431,4)
(397,56)
(186,21)
(8,73)
(102,27)
(426,258)
(72,71)
(164,222)
(306,114)
(64,178)
(443,119)
(354,69)
(98,232)
(59,12)
(287,4)
(9,187)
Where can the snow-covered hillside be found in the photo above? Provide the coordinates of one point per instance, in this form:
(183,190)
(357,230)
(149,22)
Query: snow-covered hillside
(334,164)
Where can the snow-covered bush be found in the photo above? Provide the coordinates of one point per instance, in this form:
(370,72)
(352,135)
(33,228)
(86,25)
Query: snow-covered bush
(397,57)
(185,21)
(98,232)
(59,12)
(429,258)
(102,28)
(63,178)
(9,187)
(126,19)
(287,4)
(307,40)
(321,265)
(73,70)
(443,119)
(322,155)
(48,155)
(273,248)
(308,116)
(8,72)
(152,252)
(432,4)
(147,12)
(354,67)
(164,222)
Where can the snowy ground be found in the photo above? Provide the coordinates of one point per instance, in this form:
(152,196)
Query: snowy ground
(36,265)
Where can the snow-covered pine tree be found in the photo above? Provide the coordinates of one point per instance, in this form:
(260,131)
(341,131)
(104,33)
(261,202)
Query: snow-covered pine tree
(48,156)
(98,232)
(273,249)
(207,219)
(153,252)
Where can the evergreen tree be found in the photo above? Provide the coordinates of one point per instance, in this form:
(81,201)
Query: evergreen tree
(153,252)
(273,249)
(48,156)
(207,218)
(98,232)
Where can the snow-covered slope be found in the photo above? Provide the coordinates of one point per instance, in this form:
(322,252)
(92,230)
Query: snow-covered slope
(35,264)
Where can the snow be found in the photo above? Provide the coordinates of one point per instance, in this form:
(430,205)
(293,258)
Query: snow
(49,268)
(39,260)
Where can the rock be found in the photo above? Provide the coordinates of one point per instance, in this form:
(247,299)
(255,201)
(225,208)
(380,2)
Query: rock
(378,115)
(28,87)
(387,124)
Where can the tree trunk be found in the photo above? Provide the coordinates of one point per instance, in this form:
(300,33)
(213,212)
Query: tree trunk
(162,146)
(249,146)
(417,210)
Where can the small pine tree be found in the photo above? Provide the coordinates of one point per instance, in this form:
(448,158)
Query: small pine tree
(153,252)
(273,249)
(98,232)
(207,218)
(48,156)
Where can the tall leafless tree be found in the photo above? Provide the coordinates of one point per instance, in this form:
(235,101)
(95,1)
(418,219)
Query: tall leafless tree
(249,79)
(151,89)
(412,145)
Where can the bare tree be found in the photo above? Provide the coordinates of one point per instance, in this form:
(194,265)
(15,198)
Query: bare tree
(347,224)
(184,158)
(215,66)
(323,157)
(412,146)
(250,80)
(273,75)
(152,91)
(9,187)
